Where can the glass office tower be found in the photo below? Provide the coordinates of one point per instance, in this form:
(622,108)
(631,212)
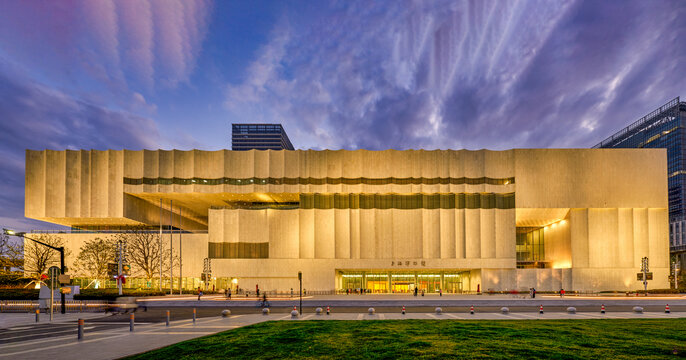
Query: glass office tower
(665,127)
(259,137)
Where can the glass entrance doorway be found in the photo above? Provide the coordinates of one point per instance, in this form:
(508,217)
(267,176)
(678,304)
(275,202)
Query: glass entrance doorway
(429,283)
(453,283)
(385,281)
(402,282)
(377,282)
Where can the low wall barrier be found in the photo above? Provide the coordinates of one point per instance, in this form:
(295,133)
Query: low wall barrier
(70,305)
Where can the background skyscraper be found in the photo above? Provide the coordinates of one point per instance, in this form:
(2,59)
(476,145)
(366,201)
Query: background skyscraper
(259,137)
(664,127)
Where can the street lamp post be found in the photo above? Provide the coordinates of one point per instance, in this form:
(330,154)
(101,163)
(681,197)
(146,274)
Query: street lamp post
(60,249)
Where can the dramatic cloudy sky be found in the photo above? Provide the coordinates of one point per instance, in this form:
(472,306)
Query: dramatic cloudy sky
(347,74)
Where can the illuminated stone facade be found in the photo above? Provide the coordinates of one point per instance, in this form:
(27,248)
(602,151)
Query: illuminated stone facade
(386,220)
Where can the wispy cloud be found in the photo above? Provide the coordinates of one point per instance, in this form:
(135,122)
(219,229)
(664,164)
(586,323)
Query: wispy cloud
(37,117)
(481,74)
(113,45)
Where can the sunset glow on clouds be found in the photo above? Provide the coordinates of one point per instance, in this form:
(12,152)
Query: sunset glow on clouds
(351,74)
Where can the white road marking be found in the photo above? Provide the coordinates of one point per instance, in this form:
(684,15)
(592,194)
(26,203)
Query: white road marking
(454,316)
(528,316)
(213,327)
(360,316)
(52,332)
(20,328)
(181,333)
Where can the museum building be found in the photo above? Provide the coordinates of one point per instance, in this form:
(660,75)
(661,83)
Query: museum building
(388,221)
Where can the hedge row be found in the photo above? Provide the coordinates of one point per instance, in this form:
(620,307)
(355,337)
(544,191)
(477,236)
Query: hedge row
(18,294)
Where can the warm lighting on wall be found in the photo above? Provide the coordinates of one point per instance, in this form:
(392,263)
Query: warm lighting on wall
(562,265)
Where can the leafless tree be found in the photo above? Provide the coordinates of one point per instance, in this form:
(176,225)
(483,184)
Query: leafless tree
(94,256)
(11,254)
(144,250)
(38,258)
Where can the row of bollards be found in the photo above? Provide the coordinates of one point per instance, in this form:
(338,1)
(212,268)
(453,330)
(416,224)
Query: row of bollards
(132,321)
(319,311)
(505,310)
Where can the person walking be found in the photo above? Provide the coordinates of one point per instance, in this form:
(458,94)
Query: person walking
(199,292)
(562,293)
(228,293)
(415,291)
(533,293)
(257,290)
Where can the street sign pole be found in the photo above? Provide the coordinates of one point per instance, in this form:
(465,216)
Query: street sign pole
(119,272)
(63,270)
(644,269)
(52,294)
(54,273)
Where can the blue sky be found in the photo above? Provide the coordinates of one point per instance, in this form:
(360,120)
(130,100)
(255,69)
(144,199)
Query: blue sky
(344,74)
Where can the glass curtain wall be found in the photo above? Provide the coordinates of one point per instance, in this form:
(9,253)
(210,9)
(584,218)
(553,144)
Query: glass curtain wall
(530,247)
(384,281)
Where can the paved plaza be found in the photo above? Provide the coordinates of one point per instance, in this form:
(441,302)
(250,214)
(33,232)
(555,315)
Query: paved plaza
(112,341)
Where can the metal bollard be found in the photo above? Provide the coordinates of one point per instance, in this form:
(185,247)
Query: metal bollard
(167,317)
(193,315)
(131,319)
(37,315)
(80,335)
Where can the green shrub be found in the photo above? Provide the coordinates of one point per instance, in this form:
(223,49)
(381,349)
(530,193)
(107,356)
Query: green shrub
(18,294)
(111,294)
(13,280)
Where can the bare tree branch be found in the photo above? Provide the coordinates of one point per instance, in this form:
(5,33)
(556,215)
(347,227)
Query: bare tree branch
(144,251)
(94,256)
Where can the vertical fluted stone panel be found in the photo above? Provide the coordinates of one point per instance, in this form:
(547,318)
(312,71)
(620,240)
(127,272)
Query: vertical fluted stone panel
(488,225)
(431,234)
(460,237)
(505,238)
(473,233)
(368,234)
(578,219)
(355,234)
(306,219)
(625,247)
(342,233)
(447,221)
(324,237)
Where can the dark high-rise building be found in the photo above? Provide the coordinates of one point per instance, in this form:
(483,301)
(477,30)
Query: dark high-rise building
(665,127)
(259,137)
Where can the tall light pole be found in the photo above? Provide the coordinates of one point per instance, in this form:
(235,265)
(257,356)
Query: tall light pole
(180,254)
(171,247)
(160,246)
(60,249)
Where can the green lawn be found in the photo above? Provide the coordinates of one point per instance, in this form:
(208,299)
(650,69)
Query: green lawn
(398,339)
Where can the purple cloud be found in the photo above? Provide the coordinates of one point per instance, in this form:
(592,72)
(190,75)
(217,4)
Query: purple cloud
(483,74)
(37,117)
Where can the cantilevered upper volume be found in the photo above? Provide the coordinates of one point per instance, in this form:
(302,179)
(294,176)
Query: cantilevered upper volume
(388,221)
